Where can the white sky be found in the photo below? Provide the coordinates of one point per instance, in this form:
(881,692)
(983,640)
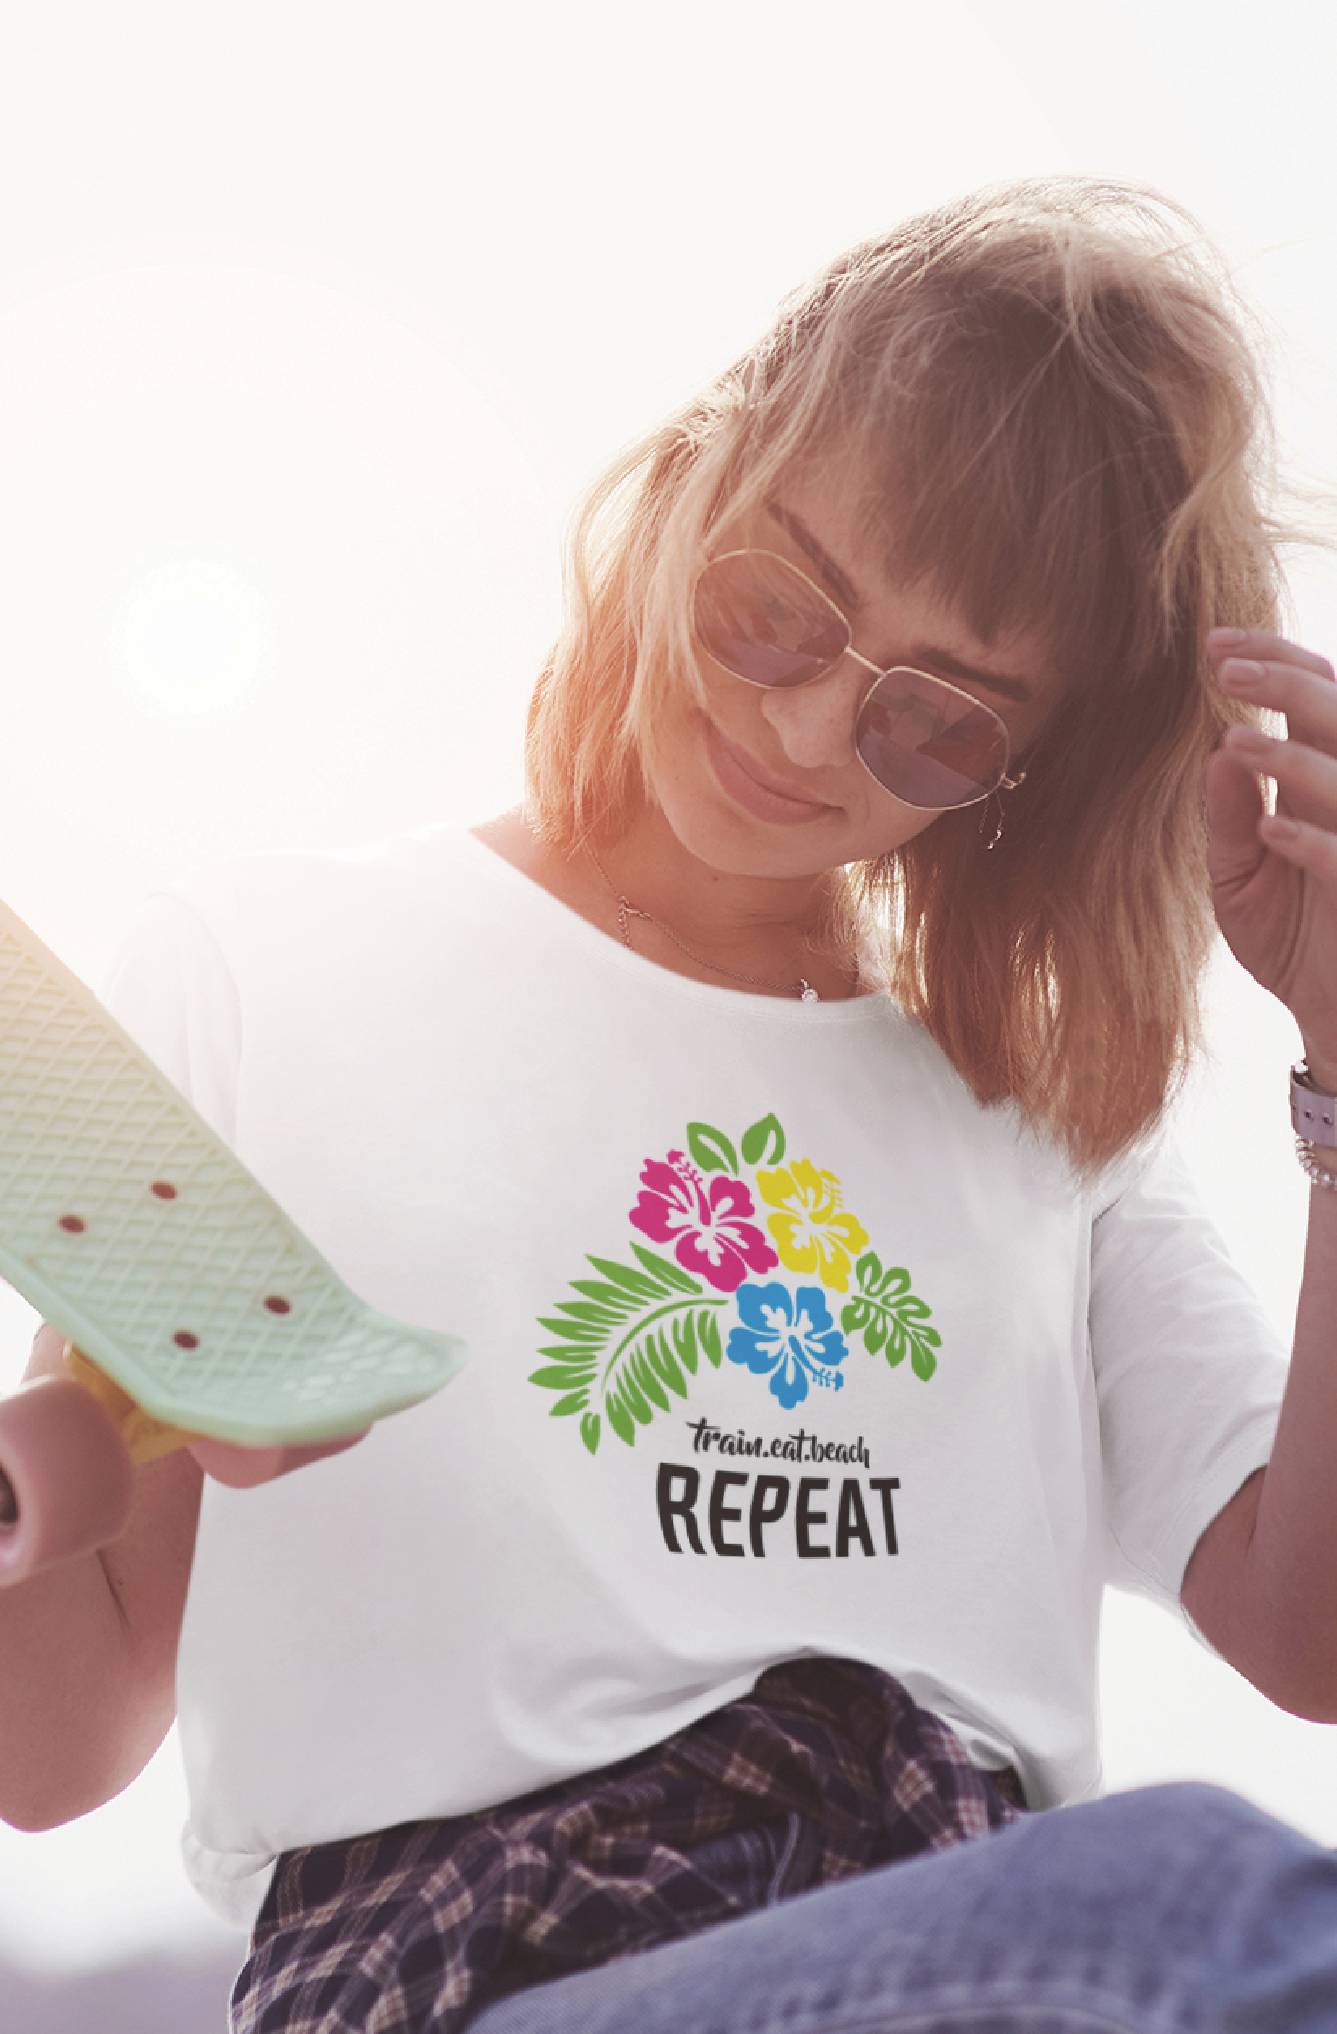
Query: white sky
(312,320)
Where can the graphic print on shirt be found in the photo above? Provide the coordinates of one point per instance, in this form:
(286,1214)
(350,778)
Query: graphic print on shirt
(731,1217)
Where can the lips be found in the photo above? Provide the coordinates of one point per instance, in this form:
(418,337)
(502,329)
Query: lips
(750,784)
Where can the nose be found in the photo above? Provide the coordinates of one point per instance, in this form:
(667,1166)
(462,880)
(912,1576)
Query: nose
(814,723)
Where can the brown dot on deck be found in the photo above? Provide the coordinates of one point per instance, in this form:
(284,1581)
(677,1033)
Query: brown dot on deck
(74,1225)
(278,1305)
(185,1340)
(164,1189)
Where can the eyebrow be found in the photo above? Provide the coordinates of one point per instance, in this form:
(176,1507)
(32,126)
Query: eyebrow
(847,592)
(851,600)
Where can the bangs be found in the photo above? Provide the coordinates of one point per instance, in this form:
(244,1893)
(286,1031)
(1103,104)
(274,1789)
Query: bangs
(1024,500)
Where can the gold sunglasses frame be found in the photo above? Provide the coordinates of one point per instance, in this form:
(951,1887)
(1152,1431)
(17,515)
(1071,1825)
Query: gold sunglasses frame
(1005,782)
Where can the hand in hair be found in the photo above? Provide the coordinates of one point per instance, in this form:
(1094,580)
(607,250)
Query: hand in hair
(1274,875)
(1262,1582)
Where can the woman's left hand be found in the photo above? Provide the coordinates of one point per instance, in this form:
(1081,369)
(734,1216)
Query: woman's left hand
(1274,876)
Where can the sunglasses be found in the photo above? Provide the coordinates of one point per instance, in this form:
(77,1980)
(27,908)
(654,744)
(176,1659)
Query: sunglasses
(927,742)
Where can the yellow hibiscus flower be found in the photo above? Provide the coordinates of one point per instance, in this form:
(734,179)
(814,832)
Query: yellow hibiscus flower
(813,1231)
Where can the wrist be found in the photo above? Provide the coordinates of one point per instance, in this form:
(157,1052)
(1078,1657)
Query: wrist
(1317,1163)
(1322,1071)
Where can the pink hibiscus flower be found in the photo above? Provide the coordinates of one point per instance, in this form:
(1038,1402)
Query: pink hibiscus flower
(705,1220)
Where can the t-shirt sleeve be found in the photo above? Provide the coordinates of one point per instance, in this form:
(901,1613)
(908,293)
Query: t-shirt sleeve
(171,988)
(1189,1373)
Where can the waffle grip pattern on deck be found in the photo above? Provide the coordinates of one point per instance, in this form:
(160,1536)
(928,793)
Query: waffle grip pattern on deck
(138,1234)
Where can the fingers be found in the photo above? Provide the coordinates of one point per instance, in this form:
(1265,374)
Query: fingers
(1313,848)
(1306,776)
(1265,648)
(1280,676)
(1271,673)
(1234,808)
(1300,686)
(244,1468)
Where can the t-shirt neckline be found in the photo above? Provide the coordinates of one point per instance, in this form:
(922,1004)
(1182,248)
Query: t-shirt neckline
(609,952)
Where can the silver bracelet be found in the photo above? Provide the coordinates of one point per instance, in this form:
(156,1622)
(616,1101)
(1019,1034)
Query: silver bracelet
(1312,1165)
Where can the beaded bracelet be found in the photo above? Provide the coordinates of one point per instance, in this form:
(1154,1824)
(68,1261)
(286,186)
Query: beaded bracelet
(1312,1165)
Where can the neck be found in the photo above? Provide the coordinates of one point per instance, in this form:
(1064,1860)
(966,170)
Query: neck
(718,908)
(780,933)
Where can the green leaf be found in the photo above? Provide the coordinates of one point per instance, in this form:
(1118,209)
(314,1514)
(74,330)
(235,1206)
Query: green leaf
(922,1361)
(868,1270)
(586,1310)
(609,1301)
(580,1331)
(630,1284)
(632,1398)
(666,1363)
(620,1420)
(589,1432)
(764,1139)
(574,1403)
(673,1278)
(708,1333)
(684,1343)
(561,1377)
(711,1148)
(876,1333)
(643,1370)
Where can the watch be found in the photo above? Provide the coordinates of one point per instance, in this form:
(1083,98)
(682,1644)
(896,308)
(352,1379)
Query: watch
(1313,1113)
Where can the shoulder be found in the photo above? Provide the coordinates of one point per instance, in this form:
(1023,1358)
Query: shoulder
(205,959)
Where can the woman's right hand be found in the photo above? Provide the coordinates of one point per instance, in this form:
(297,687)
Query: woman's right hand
(88,1647)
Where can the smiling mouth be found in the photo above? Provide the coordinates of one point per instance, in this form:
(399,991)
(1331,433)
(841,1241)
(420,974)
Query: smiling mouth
(748,783)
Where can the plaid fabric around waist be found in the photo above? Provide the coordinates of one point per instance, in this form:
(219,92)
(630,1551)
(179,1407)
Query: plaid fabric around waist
(826,1769)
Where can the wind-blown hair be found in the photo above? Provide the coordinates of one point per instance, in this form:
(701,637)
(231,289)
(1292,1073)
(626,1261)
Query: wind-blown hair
(1051,417)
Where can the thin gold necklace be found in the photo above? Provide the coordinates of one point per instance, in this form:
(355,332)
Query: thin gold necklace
(626,911)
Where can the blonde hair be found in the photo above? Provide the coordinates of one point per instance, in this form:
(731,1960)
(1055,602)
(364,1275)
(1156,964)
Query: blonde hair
(1049,412)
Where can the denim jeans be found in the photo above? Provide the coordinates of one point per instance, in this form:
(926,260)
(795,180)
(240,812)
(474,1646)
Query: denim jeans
(1171,1909)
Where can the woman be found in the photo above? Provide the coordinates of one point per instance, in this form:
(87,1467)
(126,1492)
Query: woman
(772,1105)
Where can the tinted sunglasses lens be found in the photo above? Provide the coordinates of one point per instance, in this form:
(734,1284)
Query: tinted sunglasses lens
(928,744)
(761,620)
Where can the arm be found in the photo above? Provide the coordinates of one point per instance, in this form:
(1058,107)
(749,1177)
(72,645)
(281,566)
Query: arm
(88,1650)
(1262,1583)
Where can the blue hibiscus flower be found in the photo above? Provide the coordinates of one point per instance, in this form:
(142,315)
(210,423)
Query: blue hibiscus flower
(789,1335)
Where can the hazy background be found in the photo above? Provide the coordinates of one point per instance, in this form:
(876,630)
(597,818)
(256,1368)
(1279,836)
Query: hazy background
(313,321)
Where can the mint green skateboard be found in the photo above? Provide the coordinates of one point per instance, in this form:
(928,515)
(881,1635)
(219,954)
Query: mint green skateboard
(192,1305)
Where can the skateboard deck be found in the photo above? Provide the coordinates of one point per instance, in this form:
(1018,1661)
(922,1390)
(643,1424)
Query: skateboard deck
(138,1234)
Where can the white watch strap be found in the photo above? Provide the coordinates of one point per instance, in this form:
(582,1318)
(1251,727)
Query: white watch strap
(1313,1114)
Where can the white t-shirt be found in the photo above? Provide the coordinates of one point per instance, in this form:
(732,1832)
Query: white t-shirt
(780,1345)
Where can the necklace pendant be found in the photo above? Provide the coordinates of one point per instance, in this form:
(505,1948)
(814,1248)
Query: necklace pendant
(806,992)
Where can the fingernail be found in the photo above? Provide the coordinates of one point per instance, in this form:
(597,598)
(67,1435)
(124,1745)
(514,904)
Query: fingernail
(1226,635)
(1278,828)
